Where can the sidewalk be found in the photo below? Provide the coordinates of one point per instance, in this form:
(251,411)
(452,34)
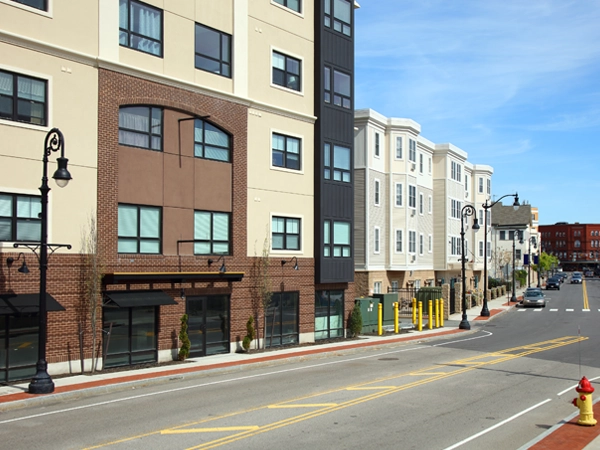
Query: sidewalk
(76,386)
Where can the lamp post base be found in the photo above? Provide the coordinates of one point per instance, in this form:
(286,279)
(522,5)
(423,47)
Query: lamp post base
(514,298)
(41,383)
(485,312)
(464,324)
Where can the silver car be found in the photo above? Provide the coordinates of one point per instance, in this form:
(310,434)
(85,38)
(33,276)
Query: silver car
(534,297)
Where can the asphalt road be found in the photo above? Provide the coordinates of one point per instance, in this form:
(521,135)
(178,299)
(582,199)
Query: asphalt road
(500,386)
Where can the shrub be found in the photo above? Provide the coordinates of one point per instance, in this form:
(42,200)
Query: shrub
(250,334)
(355,324)
(184,339)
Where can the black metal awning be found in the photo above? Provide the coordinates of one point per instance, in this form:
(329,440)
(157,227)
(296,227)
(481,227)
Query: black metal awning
(129,299)
(26,303)
(170,277)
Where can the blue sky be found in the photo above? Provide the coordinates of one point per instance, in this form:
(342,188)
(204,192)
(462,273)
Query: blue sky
(514,83)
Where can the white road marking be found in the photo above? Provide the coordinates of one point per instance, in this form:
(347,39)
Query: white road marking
(522,309)
(569,310)
(572,388)
(538,309)
(585,310)
(481,433)
(554,309)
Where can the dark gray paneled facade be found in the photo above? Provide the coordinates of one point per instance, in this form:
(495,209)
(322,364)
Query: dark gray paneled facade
(334,200)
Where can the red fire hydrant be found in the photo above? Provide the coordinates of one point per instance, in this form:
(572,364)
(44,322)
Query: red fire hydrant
(584,403)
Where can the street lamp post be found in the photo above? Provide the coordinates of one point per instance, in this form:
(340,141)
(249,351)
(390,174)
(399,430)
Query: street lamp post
(531,240)
(467,210)
(42,382)
(484,310)
(517,234)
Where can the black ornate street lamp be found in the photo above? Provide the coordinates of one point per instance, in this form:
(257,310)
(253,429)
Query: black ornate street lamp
(42,382)
(466,211)
(484,310)
(516,234)
(533,241)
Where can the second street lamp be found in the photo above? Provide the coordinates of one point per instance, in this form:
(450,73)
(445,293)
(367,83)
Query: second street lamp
(485,312)
(466,211)
(516,235)
(533,241)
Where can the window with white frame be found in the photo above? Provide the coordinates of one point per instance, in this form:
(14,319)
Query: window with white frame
(377,193)
(285,233)
(37,4)
(376,242)
(398,147)
(489,250)
(141,27)
(421,244)
(23,98)
(412,150)
(398,194)
(376,144)
(421,201)
(489,186)
(467,183)
(481,249)
(412,241)
(212,233)
(412,196)
(399,241)
(430,243)
(421,163)
(430,165)
(286,71)
(455,171)
(430,207)
(285,151)
(377,287)
(480,185)
(455,207)
(139,229)
(294,5)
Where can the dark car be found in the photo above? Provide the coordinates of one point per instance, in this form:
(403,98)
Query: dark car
(561,276)
(553,283)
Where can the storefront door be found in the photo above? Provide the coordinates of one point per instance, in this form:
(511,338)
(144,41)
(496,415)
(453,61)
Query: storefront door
(208,324)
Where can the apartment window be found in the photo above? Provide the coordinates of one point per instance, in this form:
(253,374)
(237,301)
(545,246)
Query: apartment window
(421,201)
(467,183)
(286,71)
(213,230)
(141,126)
(430,243)
(398,194)
(480,217)
(376,248)
(377,287)
(489,186)
(455,246)
(140,27)
(211,142)
(338,15)
(336,239)
(430,208)
(481,249)
(455,208)
(398,241)
(412,196)
(37,4)
(398,147)
(412,150)
(455,171)
(429,165)
(23,98)
(377,199)
(139,229)
(376,144)
(213,51)
(503,235)
(421,163)
(20,217)
(421,243)
(285,151)
(294,5)
(489,250)
(412,241)
(342,88)
(518,254)
(285,233)
(337,163)
(480,186)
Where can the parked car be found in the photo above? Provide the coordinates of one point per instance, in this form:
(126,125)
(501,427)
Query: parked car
(561,276)
(589,274)
(534,297)
(553,283)
(576,278)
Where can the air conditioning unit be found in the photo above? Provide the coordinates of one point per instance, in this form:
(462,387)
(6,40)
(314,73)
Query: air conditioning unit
(466,194)
(414,258)
(413,166)
(413,212)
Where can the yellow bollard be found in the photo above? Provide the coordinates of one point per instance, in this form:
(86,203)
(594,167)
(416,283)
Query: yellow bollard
(414,311)
(430,314)
(396,317)
(584,403)
(379,319)
(442,312)
(420,317)
(437,312)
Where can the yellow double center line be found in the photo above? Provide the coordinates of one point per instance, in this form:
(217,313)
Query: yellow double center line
(586,302)
(376,389)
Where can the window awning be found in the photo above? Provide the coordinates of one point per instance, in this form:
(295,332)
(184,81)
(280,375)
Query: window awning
(26,303)
(170,277)
(129,299)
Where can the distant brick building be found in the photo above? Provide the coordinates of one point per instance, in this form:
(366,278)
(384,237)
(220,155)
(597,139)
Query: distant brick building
(576,245)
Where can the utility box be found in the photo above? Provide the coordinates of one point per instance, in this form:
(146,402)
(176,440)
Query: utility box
(387,300)
(368,310)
